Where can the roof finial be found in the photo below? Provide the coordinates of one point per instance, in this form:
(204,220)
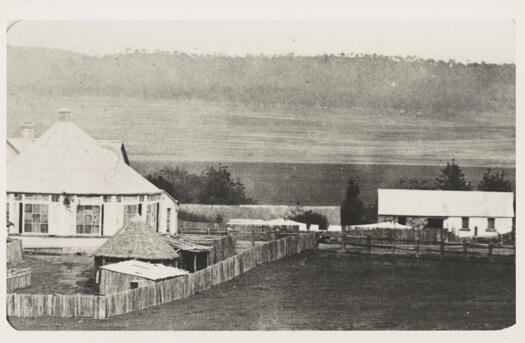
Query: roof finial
(64,114)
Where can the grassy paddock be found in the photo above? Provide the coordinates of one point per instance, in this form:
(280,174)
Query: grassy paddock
(328,291)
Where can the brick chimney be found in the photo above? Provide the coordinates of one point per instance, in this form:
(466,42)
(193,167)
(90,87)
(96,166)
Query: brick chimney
(27,130)
(64,114)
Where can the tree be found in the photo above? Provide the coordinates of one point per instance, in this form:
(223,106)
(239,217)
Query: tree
(494,182)
(413,184)
(352,208)
(218,187)
(179,183)
(309,217)
(452,178)
(370,211)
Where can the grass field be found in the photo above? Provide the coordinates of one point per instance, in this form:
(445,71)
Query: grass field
(177,130)
(323,290)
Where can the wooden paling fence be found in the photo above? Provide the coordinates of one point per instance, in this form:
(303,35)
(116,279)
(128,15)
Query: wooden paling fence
(18,279)
(33,305)
(242,232)
(56,305)
(14,250)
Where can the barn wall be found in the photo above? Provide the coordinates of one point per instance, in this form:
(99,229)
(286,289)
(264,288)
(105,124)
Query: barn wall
(111,282)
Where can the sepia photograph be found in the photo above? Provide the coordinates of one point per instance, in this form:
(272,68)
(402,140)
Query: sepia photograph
(260,175)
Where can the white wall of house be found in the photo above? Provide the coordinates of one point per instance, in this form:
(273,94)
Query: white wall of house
(166,203)
(454,224)
(62,219)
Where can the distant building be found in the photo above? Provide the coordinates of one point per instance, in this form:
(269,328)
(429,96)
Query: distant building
(65,184)
(465,213)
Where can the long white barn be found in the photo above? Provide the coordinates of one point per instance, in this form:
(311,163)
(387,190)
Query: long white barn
(465,213)
(66,185)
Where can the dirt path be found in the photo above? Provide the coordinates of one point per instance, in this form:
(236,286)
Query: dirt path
(323,290)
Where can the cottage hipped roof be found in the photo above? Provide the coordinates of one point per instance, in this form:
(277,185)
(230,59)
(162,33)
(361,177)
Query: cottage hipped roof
(137,240)
(439,203)
(66,159)
(145,270)
(19,144)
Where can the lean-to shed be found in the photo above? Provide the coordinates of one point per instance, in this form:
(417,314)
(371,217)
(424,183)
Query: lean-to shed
(194,256)
(138,241)
(131,274)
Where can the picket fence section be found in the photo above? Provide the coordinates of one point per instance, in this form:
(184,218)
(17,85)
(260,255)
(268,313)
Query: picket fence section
(98,307)
(18,279)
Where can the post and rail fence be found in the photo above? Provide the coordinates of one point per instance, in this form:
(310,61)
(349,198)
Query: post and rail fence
(417,246)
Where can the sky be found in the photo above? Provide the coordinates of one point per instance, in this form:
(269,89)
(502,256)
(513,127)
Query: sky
(472,40)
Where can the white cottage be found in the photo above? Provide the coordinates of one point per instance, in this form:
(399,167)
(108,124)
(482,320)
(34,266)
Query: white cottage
(66,189)
(465,213)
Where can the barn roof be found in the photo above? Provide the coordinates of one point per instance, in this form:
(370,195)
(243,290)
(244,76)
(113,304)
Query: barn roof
(439,203)
(66,159)
(145,270)
(137,240)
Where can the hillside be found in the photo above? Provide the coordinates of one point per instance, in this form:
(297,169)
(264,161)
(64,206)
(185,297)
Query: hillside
(371,81)
(325,109)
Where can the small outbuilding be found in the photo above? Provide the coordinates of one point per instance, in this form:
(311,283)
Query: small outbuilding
(131,274)
(136,241)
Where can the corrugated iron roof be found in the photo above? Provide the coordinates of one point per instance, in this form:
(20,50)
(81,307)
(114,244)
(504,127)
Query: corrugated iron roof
(145,270)
(66,159)
(439,203)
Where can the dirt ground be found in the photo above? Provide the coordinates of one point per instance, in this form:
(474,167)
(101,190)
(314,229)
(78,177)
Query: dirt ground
(59,274)
(326,290)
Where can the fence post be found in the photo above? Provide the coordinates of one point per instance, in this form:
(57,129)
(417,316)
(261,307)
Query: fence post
(343,238)
(490,251)
(369,244)
(465,252)
(441,245)
(417,246)
(253,237)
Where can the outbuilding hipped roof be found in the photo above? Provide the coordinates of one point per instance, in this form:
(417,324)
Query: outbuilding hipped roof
(65,159)
(439,203)
(137,240)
